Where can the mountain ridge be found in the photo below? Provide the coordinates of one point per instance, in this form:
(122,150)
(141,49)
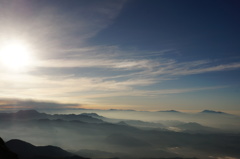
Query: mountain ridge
(26,150)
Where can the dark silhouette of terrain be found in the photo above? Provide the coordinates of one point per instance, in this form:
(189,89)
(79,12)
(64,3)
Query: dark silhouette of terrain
(28,151)
(5,153)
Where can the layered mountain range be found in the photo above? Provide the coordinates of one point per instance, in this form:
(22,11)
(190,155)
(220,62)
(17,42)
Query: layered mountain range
(94,136)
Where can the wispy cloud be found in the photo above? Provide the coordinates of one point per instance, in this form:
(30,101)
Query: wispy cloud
(150,93)
(96,63)
(111,57)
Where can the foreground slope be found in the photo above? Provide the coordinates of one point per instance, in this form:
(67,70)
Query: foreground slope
(28,151)
(5,152)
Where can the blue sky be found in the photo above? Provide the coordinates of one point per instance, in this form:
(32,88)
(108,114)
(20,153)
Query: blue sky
(136,54)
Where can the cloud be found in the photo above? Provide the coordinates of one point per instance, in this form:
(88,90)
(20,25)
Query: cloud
(113,58)
(149,93)
(102,63)
(33,104)
(205,69)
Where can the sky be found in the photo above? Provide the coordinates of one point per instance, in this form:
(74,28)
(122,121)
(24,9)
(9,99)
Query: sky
(120,54)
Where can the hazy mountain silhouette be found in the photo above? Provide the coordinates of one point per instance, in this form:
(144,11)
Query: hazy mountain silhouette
(33,114)
(28,151)
(29,113)
(212,112)
(23,115)
(121,110)
(169,111)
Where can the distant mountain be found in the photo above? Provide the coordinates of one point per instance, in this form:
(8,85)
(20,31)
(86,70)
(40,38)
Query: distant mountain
(82,117)
(213,112)
(28,151)
(33,114)
(29,113)
(121,110)
(169,111)
(23,115)
(94,115)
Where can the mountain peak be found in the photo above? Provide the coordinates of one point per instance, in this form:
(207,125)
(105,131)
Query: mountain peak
(212,111)
(121,110)
(91,114)
(17,142)
(30,111)
(169,111)
(23,114)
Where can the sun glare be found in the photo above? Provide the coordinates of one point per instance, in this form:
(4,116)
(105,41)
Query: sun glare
(15,55)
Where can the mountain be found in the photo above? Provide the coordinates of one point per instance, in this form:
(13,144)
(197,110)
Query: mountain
(212,112)
(82,117)
(121,110)
(28,151)
(94,115)
(169,111)
(5,153)
(29,113)
(23,115)
(33,114)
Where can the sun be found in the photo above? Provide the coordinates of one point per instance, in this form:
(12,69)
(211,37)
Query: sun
(15,55)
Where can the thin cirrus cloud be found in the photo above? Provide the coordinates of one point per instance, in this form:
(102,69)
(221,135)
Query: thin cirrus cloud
(195,67)
(159,66)
(150,93)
